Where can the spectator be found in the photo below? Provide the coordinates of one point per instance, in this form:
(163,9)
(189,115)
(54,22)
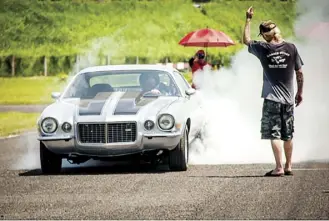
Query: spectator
(198,62)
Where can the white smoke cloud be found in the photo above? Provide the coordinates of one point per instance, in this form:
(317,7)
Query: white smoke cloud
(30,160)
(233,105)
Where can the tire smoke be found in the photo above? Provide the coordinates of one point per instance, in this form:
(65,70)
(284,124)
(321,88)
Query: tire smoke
(232,102)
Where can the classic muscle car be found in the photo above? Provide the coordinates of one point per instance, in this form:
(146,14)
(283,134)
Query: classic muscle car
(119,110)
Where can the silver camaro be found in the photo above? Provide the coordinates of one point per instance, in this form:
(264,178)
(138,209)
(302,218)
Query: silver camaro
(114,111)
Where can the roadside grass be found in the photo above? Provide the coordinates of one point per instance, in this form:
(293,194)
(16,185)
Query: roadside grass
(16,122)
(35,90)
(188,76)
(29,90)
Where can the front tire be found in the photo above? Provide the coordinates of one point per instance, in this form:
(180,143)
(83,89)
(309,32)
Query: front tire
(51,163)
(178,158)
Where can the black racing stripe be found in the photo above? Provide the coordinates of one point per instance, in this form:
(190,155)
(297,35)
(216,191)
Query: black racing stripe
(131,102)
(130,95)
(94,106)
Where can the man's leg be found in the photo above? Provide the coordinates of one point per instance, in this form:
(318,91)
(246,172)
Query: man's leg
(288,146)
(277,151)
(287,135)
(271,130)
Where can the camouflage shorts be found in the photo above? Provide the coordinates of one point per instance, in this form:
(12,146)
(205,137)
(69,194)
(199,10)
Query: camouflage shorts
(277,121)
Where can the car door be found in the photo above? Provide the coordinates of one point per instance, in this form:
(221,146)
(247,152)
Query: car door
(193,104)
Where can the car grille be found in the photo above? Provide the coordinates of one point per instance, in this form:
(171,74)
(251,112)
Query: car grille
(107,133)
(121,132)
(92,133)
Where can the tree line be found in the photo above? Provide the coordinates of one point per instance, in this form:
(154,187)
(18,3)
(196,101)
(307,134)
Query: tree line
(48,37)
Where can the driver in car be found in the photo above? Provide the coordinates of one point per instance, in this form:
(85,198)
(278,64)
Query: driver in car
(150,83)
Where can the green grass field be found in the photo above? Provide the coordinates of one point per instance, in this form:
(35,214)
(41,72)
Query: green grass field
(122,29)
(188,76)
(34,90)
(16,122)
(29,90)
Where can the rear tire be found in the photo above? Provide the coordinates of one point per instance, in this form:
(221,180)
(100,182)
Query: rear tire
(178,158)
(51,163)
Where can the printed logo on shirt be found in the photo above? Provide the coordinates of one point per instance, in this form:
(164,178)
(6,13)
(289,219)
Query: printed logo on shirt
(278,59)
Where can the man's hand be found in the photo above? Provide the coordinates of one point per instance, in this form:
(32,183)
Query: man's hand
(249,13)
(298,99)
(155,91)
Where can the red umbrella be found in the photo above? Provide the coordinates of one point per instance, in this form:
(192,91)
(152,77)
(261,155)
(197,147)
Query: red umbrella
(206,38)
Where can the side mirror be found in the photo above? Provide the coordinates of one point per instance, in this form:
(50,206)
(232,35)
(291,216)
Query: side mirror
(55,95)
(190,91)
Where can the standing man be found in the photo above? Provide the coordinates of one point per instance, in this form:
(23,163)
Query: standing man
(279,59)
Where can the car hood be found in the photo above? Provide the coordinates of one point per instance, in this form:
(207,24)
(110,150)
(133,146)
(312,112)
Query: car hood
(120,103)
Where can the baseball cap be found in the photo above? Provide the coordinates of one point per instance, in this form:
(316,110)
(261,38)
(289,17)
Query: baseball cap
(266,27)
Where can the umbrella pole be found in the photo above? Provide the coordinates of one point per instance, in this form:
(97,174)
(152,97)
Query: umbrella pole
(205,45)
(206,53)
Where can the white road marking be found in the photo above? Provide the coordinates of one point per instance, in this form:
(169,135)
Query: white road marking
(311,168)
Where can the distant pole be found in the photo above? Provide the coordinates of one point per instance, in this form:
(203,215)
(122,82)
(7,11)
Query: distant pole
(77,63)
(137,60)
(45,66)
(13,66)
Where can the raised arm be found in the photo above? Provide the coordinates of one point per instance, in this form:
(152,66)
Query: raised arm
(246,32)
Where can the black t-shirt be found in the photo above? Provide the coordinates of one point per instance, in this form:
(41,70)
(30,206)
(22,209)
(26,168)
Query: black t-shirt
(279,61)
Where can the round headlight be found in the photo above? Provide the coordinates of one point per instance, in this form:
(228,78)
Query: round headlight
(166,122)
(49,125)
(66,127)
(149,125)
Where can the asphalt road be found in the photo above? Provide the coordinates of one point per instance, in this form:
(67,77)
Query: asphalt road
(123,192)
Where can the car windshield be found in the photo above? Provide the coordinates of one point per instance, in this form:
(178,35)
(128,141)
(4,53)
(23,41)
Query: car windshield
(148,83)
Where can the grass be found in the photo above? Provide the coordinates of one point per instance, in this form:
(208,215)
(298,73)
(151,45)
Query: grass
(35,90)
(188,76)
(62,29)
(16,122)
(29,90)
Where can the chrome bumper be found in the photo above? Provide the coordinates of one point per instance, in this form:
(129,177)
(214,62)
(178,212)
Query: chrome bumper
(144,142)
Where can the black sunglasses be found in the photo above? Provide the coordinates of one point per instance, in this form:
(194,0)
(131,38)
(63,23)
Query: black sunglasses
(201,55)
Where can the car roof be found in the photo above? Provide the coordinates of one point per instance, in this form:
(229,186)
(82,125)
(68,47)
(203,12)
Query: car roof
(128,67)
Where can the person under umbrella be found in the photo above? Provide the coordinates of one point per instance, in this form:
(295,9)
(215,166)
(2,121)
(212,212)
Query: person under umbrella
(198,62)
